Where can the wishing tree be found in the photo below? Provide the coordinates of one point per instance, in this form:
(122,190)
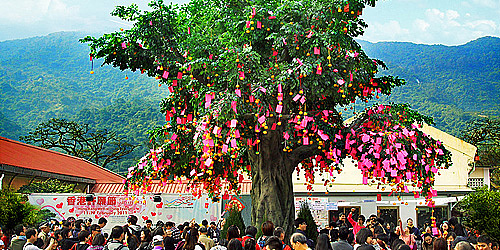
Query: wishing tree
(257,87)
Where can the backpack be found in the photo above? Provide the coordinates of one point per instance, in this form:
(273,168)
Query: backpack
(262,242)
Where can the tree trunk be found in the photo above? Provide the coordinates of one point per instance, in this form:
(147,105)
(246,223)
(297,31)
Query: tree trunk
(272,189)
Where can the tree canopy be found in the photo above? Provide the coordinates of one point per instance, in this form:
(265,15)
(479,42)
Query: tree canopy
(99,146)
(257,87)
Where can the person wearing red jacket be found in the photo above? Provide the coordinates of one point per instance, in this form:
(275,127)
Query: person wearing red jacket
(356,226)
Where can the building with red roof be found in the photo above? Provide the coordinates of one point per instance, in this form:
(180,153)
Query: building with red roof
(22,163)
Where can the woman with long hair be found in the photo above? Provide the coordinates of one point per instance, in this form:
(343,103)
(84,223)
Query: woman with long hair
(323,242)
(234,244)
(233,233)
(97,242)
(145,239)
(192,240)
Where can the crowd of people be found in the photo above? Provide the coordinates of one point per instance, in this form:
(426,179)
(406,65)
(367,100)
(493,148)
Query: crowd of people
(351,232)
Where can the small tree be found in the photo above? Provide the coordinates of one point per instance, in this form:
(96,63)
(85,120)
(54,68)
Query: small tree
(47,186)
(234,218)
(481,211)
(305,213)
(16,210)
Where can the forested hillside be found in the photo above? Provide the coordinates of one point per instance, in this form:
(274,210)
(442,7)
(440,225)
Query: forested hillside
(49,76)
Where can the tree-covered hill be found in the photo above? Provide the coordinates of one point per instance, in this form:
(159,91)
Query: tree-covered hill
(450,83)
(49,76)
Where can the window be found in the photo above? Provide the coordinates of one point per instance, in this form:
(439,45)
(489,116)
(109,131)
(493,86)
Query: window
(424,215)
(475,182)
(390,216)
(333,215)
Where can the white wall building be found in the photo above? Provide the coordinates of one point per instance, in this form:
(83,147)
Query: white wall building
(348,191)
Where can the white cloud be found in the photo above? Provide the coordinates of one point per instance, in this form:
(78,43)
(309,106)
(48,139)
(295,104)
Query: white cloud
(482,25)
(388,31)
(421,24)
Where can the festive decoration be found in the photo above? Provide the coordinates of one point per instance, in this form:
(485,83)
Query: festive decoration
(256,87)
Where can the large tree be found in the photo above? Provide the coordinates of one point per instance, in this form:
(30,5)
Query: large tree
(484,133)
(100,146)
(257,87)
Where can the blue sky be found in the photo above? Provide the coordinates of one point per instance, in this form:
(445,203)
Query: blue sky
(449,22)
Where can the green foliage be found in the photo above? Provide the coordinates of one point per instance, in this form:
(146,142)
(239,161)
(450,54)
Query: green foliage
(100,146)
(47,186)
(481,211)
(484,133)
(234,218)
(17,210)
(312,228)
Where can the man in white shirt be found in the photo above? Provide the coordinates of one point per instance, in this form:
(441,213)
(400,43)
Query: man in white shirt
(31,237)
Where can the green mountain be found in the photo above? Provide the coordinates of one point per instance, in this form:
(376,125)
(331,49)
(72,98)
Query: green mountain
(49,76)
(453,84)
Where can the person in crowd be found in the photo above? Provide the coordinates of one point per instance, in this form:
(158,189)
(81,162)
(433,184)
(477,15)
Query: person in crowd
(52,244)
(133,228)
(301,226)
(280,233)
(233,232)
(222,245)
(383,241)
(404,247)
(396,244)
(267,231)
(4,239)
(494,245)
(428,242)
(157,242)
(406,236)
(273,243)
(323,242)
(342,221)
(94,230)
(19,239)
(463,245)
(298,242)
(83,238)
(234,244)
(98,242)
(130,238)
(149,225)
(356,225)
(207,242)
(176,233)
(450,238)
(250,244)
(456,227)
(67,240)
(483,243)
(445,229)
(440,244)
(334,235)
(102,223)
(168,241)
(364,237)
(44,233)
(146,239)
(77,228)
(250,233)
(342,243)
(192,241)
(31,237)
(416,233)
(117,237)
(214,232)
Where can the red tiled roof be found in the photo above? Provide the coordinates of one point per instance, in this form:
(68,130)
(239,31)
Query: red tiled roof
(156,187)
(18,154)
